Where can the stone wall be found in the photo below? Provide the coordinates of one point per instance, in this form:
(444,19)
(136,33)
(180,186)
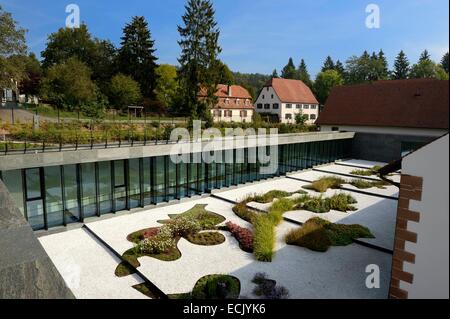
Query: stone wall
(26,271)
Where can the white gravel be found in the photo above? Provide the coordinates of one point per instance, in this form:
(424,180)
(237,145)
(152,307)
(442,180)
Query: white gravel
(88,268)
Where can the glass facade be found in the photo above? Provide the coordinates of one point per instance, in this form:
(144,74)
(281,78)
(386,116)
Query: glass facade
(59,195)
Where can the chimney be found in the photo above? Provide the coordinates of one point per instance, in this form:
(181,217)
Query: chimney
(229,91)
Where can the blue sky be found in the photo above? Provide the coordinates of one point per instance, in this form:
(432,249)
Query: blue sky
(260,35)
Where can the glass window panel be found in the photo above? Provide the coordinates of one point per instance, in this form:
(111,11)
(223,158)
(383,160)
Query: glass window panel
(88,199)
(171,179)
(135,191)
(147,181)
(53,196)
(104,187)
(159,171)
(35,207)
(71,194)
(120,195)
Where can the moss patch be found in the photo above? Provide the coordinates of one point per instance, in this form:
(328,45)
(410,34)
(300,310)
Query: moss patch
(318,234)
(323,184)
(208,220)
(206,238)
(363,184)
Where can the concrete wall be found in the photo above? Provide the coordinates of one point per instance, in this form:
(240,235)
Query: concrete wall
(431,267)
(382,147)
(19,161)
(385,130)
(26,271)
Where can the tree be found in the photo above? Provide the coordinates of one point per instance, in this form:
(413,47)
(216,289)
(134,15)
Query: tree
(340,68)
(401,67)
(426,68)
(301,118)
(167,88)
(275,74)
(12,42)
(33,73)
(366,68)
(303,74)
(225,75)
(69,85)
(444,63)
(325,81)
(383,67)
(289,71)
(12,37)
(124,91)
(198,60)
(98,55)
(136,56)
(328,64)
(425,56)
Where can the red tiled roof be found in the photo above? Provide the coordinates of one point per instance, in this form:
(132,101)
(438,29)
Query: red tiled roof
(413,103)
(237,92)
(292,91)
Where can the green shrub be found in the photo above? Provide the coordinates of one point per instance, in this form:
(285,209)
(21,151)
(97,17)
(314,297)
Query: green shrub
(323,184)
(270,196)
(318,234)
(362,172)
(342,202)
(217,287)
(264,238)
(317,205)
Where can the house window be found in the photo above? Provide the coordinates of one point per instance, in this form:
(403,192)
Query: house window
(263,96)
(298,106)
(238,102)
(276,106)
(267,88)
(247,102)
(259,105)
(217,113)
(306,106)
(228,113)
(313,107)
(227,101)
(312,117)
(272,96)
(289,106)
(243,113)
(267,106)
(335,128)
(288,116)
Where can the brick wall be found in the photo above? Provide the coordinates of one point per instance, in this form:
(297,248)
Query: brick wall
(410,189)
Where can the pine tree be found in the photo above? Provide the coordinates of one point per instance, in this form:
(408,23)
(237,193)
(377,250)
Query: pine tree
(425,56)
(340,68)
(199,57)
(275,74)
(328,64)
(136,56)
(401,67)
(383,65)
(289,71)
(444,62)
(303,74)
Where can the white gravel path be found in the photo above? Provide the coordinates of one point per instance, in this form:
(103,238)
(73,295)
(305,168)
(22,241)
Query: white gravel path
(87,267)
(334,168)
(362,163)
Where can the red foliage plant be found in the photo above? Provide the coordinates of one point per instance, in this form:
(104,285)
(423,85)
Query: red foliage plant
(150,232)
(243,235)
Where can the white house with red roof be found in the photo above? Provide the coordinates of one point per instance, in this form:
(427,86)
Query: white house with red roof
(287,98)
(234,104)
